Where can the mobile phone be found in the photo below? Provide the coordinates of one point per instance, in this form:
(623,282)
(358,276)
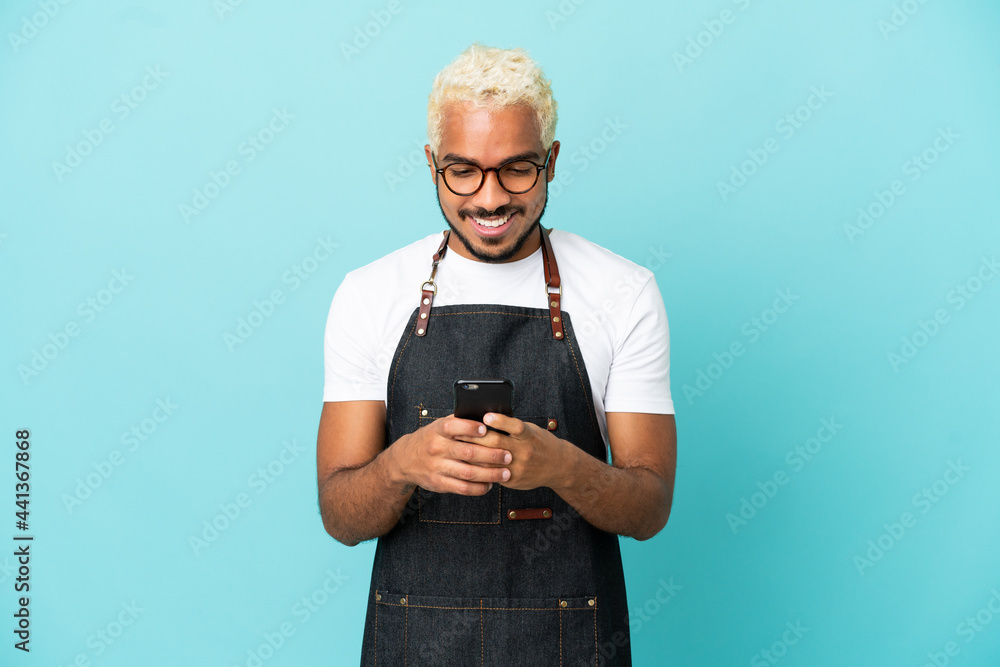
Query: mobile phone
(474,398)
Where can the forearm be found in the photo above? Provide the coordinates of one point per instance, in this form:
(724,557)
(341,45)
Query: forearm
(363,503)
(634,502)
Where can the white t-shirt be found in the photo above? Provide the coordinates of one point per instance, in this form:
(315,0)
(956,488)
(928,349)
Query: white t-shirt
(614,305)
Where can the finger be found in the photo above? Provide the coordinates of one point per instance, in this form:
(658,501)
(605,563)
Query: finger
(452,485)
(453,426)
(465,472)
(511,425)
(479,454)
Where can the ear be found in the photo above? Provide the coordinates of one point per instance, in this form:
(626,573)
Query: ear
(550,173)
(430,163)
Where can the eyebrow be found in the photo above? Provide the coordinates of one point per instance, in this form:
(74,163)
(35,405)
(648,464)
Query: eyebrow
(455,157)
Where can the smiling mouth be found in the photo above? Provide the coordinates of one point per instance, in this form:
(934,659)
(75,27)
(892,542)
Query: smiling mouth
(492,222)
(492,228)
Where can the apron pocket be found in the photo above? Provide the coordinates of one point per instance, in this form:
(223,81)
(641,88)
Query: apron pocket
(453,508)
(429,630)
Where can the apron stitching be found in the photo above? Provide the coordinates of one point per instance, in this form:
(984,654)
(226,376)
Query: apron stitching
(482,641)
(491,312)
(560,638)
(406,627)
(395,368)
(431,606)
(586,390)
(376,634)
(470,523)
(595,632)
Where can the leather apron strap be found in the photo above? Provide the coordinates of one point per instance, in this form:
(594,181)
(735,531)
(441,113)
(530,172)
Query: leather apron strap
(553,288)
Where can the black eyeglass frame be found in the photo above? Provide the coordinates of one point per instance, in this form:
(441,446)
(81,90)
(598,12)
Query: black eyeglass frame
(482,180)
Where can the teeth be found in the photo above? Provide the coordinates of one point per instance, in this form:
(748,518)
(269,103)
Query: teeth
(492,223)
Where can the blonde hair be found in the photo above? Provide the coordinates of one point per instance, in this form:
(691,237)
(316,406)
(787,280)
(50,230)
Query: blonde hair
(488,76)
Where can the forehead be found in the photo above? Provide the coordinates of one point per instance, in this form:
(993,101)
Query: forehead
(488,134)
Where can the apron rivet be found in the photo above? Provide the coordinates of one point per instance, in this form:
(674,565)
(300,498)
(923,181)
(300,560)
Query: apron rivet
(553,424)
(420,332)
(591,602)
(554,304)
(423,316)
(512,514)
(562,603)
(426,301)
(546,514)
(402,600)
(555,319)
(423,413)
(378,596)
(559,334)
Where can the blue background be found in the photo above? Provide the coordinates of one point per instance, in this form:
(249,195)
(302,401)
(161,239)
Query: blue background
(819,552)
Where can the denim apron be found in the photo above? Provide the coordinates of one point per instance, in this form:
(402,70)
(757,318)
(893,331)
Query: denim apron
(511,577)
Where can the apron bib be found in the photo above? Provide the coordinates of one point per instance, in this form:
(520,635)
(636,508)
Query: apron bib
(511,577)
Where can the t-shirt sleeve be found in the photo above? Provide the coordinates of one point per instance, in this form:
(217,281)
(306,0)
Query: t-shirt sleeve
(349,350)
(639,379)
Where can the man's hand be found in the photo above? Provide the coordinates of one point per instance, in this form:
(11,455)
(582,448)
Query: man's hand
(632,497)
(537,456)
(444,456)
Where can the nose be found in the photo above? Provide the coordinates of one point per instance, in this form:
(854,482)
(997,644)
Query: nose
(492,195)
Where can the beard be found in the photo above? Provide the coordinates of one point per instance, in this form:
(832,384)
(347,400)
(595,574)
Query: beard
(499,255)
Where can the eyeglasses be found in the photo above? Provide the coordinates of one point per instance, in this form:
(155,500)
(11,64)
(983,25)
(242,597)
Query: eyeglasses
(516,177)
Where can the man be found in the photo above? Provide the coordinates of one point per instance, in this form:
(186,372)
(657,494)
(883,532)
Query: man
(499,545)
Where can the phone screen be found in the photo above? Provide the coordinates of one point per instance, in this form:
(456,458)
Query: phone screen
(474,398)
